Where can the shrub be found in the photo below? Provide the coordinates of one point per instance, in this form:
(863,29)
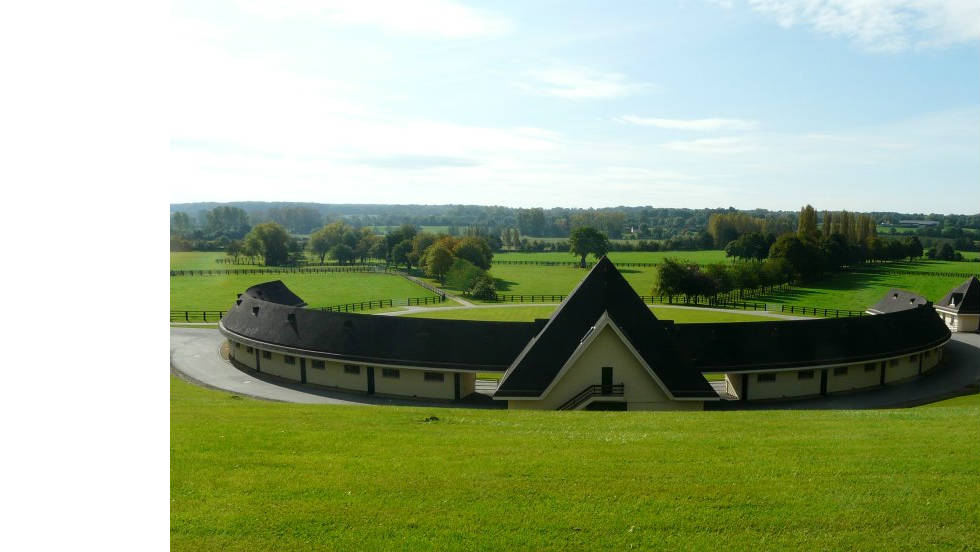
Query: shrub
(462,275)
(484,288)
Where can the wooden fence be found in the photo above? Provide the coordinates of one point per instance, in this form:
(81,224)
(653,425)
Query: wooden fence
(276,270)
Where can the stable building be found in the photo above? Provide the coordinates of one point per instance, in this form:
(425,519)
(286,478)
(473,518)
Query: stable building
(960,308)
(897,300)
(602,349)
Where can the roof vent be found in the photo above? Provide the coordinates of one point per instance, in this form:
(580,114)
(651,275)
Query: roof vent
(255,311)
(912,300)
(894,296)
(238,302)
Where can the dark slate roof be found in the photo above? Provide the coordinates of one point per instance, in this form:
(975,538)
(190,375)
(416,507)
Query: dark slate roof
(275,292)
(771,345)
(897,300)
(603,290)
(455,344)
(965,298)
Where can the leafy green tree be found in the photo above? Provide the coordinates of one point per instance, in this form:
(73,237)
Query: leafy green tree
(475,250)
(272,240)
(438,259)
(399,254)
(226,222)
(462,275)
(180,224)
(343,253)
(585,240)
(485,287)
(807,226)
(234,249)
(913,248)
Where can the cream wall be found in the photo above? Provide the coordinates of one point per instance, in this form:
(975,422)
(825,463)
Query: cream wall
(333,375)
(241,355)
(904,370)
(467,383)
(786,384)
(856,378)
(641,391)
(931,360)
(277,366)
(412,383)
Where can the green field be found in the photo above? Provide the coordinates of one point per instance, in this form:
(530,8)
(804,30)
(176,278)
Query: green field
(197,260)
(858,291)
(257,475)
(529,314)
(698,257)
(319,290)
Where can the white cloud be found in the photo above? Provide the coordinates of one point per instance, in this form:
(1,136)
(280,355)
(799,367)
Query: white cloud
(691,124)
(726,145)
(436,18)
(582,83)
(882,25)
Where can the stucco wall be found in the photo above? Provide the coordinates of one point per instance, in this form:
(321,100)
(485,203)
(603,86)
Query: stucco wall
(856,377)
(241,354)
(930,359)
(786,384)
(333,375)
(640,390)
(412,383)
(902,370)
(277,366)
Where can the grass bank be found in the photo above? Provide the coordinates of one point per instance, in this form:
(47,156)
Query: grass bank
(254,475)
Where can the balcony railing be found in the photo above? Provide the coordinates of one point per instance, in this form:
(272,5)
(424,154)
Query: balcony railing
(593,391)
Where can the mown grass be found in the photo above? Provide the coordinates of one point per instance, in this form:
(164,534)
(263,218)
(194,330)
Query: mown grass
(858,291)
(926,265)
(197,260)
(319,290)
(697,257)
(529,314)
(254,475)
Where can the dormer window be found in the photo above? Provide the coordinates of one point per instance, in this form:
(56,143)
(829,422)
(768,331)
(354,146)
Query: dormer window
(255,311)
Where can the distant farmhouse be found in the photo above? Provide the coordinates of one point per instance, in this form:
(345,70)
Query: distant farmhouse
(602,349)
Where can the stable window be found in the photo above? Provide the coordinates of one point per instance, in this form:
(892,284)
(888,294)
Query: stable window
(435,376)
(840,371)
(390,373)
(248,349)
(289,359)
(893,362)
(319,364)
(266,354)
(352,369)
(870,367)
(804,374)
(765,377)
(913,358)
(238,345)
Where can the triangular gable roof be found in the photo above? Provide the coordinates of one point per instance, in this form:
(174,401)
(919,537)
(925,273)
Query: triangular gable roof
(964,299)
(603,291)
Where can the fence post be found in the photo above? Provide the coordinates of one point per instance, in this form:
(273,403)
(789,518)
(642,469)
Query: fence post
(186,315)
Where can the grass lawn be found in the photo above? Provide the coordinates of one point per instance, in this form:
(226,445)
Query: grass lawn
(528,314)
(858,291)
(699,257)
(197,260)
(258,475)
(319,290)
(926,265)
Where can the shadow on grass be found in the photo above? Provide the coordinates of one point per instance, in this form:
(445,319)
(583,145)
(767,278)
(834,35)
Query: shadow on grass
(504,285)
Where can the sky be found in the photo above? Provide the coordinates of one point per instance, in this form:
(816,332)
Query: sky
(865,105)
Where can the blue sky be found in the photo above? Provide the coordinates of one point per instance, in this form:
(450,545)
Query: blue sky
(845,104)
